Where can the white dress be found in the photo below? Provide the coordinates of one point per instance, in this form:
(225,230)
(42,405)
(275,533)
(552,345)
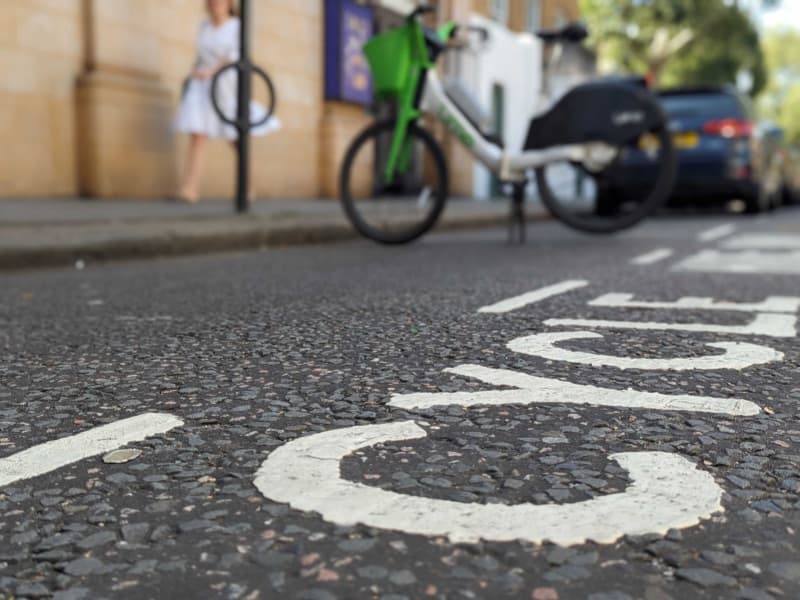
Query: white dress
(196,114)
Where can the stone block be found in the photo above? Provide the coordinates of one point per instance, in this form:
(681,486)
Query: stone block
(127,142)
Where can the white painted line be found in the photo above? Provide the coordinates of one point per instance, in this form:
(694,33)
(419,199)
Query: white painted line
(717,233)
(743,262)
(667,492)
(50,456)
(737,356)
(778,304)
(530,390)
(534,296)
(768,324)
(136,319)
(772,241)
(653,257)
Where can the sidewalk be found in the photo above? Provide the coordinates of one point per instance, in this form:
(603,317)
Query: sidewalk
(59,232)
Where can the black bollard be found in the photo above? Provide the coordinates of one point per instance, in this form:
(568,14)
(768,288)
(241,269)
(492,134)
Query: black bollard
(245,68)
(244,94)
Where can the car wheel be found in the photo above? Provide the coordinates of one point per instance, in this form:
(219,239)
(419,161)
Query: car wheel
(787,196)
(777,199)
(753,204)
(757,201)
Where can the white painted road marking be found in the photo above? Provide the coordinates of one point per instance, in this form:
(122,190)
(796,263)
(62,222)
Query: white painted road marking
(779,304)
(653,257)
(531,390)
(667,491)
(534,296)
(771,241)
(767,324)
(743,262)
(717,233)
(737,356)
(56,454)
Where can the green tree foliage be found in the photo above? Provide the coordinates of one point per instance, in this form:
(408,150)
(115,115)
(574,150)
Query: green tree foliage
(679,42)
(780,102)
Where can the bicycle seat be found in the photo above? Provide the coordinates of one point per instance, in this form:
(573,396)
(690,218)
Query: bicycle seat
(572,32)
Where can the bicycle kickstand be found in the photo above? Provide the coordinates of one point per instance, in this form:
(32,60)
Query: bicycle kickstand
(516,225)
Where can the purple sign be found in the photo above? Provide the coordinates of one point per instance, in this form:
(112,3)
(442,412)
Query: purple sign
(348,27)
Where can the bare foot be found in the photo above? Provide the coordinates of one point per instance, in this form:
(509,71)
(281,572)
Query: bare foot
(187,196)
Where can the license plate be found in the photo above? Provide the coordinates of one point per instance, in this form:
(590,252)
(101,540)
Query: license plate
(686,140)
(682,141)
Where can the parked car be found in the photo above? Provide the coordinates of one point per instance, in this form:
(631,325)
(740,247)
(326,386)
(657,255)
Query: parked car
(792,175)
(782,162)
(719,152)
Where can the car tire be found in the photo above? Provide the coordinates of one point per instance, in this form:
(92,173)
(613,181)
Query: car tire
(787,196)
(757,201)
(776,201)
(753,206)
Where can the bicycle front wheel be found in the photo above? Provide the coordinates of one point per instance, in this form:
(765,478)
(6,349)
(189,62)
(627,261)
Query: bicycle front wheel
(399,210)
(627,189)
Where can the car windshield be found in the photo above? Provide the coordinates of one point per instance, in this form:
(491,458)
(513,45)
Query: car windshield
(702,104)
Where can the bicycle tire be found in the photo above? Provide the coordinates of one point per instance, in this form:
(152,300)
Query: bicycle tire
(350,206)
(662,188)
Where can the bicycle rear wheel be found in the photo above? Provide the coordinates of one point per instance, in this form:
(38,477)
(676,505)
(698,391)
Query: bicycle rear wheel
(401,210)
(631,187)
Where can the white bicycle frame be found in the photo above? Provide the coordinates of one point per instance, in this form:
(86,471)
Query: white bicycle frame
(506,165)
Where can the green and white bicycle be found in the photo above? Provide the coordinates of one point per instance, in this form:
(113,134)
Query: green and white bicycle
(394,178)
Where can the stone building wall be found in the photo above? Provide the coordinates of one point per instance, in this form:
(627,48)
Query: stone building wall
(41,54)
(89,89)
(555,12)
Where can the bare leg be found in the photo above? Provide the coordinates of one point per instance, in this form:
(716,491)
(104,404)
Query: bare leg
(195,162)
(251,189)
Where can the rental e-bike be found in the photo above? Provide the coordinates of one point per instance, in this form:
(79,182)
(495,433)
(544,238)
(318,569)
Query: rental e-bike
(394,177)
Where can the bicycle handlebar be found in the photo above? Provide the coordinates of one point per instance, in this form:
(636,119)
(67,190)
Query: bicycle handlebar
(419,11)
(482,30)
(484,35)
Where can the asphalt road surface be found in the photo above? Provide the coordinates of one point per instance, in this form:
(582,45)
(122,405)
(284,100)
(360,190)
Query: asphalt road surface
(582,417)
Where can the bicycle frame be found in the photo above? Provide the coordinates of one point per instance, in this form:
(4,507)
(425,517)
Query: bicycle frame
(424,93)
(589,127)
(507,165)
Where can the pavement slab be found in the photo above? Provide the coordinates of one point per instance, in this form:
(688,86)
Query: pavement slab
(62,232)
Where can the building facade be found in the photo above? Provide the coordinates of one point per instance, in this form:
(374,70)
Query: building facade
(90,89)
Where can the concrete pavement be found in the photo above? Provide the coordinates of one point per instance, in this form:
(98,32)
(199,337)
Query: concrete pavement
(59,232)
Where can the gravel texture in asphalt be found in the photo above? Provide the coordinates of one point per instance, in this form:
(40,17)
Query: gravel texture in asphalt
(255,351)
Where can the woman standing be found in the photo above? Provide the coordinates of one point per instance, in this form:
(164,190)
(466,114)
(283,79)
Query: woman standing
(217,47)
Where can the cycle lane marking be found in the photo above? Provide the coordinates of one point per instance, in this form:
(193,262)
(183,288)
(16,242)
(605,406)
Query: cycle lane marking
(653,257)
(305,473)
(533,297)
(736,356)
(50,456)
(766,324)
(532,390)
(716,233)
(398,511)
(671,404)
(778,304)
